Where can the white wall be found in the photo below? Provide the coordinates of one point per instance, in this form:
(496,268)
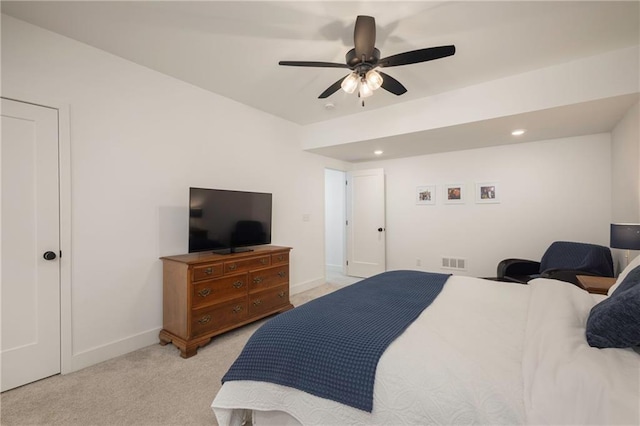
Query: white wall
(550,190)
(625,157)
(625,174)
(335,216)
(139,139)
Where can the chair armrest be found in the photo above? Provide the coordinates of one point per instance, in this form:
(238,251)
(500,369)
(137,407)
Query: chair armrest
(517,267)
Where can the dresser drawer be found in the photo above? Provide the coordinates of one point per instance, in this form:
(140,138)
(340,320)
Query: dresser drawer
(205,272)
(279,259)
(218,316)
(246,264)
(268,300)
(269,277)
(208,292)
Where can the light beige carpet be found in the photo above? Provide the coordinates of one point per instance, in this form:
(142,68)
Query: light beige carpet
(151,386)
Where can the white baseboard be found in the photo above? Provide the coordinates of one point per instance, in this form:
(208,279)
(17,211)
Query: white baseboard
(105,352)
(307,285)
(334,268)
(111,350)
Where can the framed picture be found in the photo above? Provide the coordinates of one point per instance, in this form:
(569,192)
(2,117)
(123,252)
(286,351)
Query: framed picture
(487,192)
(454,193)
(426,195)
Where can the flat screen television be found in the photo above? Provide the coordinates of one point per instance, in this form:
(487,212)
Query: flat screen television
(225,221)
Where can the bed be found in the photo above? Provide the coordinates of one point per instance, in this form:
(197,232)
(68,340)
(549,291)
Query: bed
(482,352)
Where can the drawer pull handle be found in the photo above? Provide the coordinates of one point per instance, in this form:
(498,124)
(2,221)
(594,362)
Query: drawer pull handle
(281,274)
(263,261)
(237,309)
(205,319)
(281,294)
(257,302)
(257,280)
(233,267)
(281,258)
(204,292)
(237,284)
(208,271)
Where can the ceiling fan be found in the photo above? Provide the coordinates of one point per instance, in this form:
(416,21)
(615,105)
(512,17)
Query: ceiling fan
(364,59)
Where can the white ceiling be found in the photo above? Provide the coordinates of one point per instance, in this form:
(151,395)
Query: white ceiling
(233,47)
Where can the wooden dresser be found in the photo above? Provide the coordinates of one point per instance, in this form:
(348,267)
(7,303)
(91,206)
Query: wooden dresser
(206,294)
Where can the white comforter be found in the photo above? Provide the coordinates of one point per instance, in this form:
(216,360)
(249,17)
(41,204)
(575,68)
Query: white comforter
(484,352)
(565,380)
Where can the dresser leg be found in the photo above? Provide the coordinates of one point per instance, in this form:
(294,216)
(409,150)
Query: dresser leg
(164,338)
(187,348)
(189,351)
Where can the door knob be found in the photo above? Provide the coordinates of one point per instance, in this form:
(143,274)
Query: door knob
(49,255)
(380,229)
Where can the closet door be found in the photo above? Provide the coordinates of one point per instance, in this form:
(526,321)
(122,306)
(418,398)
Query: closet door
(30,286)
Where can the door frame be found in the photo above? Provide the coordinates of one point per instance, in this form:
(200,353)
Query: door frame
(343,201)
(64,190)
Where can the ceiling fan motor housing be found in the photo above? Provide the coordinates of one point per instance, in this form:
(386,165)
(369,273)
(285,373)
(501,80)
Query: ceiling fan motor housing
(365,63)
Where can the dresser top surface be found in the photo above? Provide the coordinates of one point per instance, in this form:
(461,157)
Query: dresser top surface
(208,256)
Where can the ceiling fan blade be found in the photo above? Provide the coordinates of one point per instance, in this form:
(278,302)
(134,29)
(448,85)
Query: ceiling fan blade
(415,56)
(312,64)
(392,85)
(332,89)
(364,37)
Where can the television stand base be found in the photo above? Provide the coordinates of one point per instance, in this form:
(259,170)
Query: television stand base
(232,250)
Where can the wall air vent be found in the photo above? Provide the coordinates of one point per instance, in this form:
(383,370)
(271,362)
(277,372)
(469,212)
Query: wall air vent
(454,263)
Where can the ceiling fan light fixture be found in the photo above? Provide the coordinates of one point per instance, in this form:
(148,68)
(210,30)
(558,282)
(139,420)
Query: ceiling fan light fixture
(350,83)
(365,90)
(374,79)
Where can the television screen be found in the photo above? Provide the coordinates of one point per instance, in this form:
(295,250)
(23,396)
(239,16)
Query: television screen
(222,221)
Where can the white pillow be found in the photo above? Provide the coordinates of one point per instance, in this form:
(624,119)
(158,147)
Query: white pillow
(635,262)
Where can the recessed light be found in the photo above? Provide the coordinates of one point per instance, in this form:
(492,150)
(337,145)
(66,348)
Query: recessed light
(378,152)
(518,132)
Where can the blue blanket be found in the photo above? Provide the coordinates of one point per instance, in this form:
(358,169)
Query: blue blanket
(330,346)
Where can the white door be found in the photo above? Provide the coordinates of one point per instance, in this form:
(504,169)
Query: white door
(365,223)
(30,286)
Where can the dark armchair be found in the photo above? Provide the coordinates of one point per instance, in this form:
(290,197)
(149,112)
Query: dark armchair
(562,261)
